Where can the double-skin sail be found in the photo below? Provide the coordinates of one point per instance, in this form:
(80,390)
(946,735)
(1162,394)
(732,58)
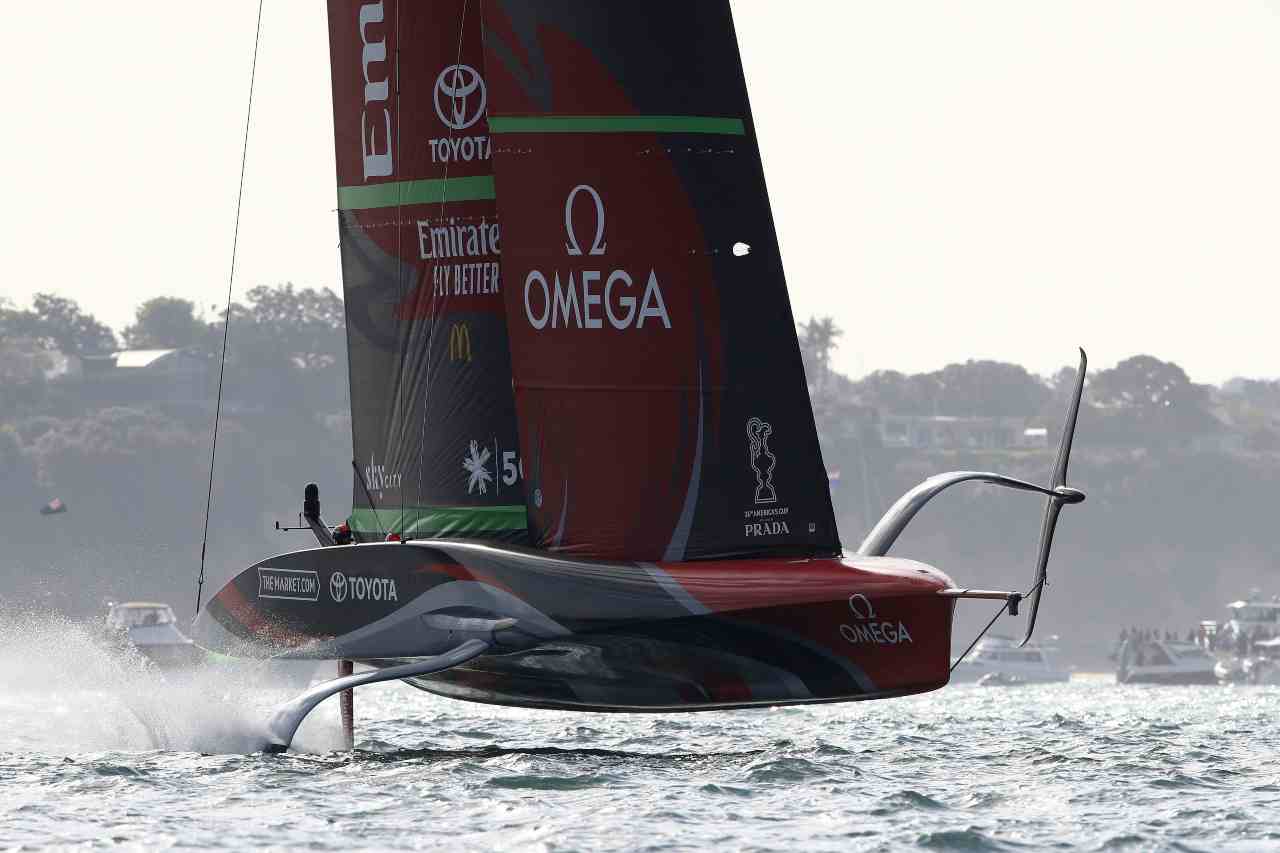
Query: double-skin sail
(662,402)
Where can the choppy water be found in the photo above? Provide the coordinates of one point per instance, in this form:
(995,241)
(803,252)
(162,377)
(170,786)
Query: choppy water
(1087,765)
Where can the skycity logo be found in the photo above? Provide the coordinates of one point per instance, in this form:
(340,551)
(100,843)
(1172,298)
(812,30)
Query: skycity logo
(577,302)
(360,588)
(376,155)
(868,628)
(460,100)
(378,478)
(460,342)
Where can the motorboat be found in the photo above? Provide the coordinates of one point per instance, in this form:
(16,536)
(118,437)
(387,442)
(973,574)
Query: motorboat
(1263,665)
(1000,679)
(1244,640)
(1145,660)
(1260,664)
(1009,662)
(151,629)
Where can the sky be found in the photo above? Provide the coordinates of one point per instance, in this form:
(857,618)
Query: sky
(997,179)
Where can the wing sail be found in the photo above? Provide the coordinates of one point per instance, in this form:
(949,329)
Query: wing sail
(663,406)
(433,418)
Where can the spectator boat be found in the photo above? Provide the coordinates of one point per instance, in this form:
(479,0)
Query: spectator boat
(151,629)
(996,655)
(1143,660)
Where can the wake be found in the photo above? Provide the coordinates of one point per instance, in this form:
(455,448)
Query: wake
(63,691)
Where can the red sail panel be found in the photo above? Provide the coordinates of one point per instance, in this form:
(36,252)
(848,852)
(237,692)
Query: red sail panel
(433,417)
(663,407)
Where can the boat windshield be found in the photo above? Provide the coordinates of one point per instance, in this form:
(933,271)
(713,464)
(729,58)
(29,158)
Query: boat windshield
(1012,655)
(137,617)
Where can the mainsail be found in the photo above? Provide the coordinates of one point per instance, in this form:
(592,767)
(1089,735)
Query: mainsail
(433,421)
(663,407)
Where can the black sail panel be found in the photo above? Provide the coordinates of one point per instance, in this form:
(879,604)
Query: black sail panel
(663,407)
(433,418)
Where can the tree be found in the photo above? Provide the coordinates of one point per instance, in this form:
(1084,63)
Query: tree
(1144,383)
(165,323)
(990,389)
(284,325)
(60,324)
(1157,397)
(24,365)
(899,394)
(972,389)
(817,341)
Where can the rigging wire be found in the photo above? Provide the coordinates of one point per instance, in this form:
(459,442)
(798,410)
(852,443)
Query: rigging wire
(999,613)
(444,195)
(403,346)
(226,320)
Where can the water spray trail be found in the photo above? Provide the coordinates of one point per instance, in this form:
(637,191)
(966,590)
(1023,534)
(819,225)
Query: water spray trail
(68,690)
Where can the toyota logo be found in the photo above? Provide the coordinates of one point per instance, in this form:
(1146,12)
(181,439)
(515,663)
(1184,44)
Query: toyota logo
(338,587)
(460,96)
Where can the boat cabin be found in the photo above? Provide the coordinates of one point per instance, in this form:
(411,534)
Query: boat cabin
(138,614)
(1255,618)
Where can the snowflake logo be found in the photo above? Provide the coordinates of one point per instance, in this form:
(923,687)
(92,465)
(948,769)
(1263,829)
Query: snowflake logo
(476,464)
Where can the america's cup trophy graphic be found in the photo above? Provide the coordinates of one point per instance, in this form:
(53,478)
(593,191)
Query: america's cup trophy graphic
(758,433)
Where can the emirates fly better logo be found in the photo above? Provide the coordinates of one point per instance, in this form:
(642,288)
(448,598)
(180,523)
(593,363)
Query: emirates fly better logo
(460,97)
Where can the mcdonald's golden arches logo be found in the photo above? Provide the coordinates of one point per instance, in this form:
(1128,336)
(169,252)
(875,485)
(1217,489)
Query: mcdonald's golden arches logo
(460,342)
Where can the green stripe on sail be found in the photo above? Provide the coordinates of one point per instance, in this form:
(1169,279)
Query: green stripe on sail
(439,520)
(617,124)
(432,191)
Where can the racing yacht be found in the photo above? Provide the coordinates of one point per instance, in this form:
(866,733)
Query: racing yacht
(587,472)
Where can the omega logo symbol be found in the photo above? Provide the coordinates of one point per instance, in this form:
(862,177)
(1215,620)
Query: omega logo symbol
(454,102)
(861,607)
(338,587)
(597,245)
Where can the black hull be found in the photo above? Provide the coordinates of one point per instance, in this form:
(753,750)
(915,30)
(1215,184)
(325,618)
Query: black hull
(600,636)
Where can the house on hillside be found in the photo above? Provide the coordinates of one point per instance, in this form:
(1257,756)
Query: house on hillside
(132,377)
(946,432)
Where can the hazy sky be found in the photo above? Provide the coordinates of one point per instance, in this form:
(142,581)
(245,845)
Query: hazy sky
(991,179)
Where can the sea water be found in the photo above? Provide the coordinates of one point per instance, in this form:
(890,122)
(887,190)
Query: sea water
(97,750)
